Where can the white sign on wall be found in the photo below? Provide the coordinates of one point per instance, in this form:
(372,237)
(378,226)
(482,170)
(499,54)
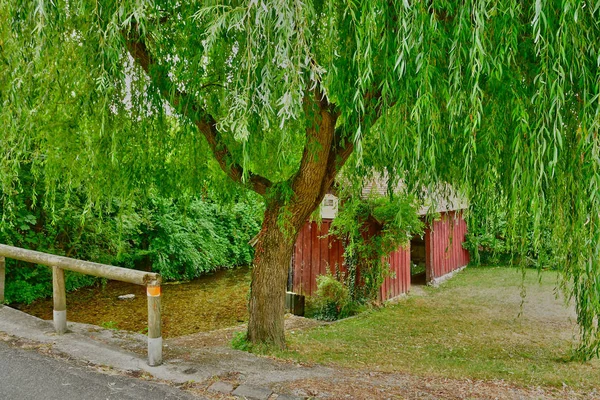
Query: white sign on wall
(329,207)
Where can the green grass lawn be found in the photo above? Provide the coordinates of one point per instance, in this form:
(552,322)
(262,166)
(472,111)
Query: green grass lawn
(471,327)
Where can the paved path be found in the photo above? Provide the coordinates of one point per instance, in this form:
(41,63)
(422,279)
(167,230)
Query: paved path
(247,375)
(26,374)
(212,372)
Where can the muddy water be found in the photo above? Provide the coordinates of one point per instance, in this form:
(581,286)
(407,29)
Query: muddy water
(211,302)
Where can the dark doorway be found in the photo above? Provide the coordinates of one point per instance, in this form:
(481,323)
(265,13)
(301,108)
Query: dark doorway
(417,261)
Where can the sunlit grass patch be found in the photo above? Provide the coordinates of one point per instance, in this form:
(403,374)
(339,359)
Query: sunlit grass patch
(475,326)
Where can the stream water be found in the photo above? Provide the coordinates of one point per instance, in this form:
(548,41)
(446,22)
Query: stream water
(214,301)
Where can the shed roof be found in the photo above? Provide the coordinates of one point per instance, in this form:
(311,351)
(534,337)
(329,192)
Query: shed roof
(441,199)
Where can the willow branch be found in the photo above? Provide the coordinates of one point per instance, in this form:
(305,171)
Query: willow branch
(340,153)
(187,106)
(343,147)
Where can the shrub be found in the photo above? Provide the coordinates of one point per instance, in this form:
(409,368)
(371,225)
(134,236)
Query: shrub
(332,300)
(179,240)
(70,227)
(187,241)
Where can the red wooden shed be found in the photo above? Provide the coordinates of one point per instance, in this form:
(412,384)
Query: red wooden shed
(439,252)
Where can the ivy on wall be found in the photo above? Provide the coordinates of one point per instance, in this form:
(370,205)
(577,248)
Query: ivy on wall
(372,228)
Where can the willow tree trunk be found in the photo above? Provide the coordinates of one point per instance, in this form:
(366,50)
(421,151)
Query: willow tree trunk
(324,154)
(269,278)
(322,158)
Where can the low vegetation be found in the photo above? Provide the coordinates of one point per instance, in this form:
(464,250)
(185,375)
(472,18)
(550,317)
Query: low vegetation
(476,326)
(372,228)
(332,301)
(181,239)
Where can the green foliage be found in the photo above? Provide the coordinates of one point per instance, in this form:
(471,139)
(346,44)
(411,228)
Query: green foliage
(491,96)
(371,229)
(490,242)
(332,300)
(487,234)
(109,325)
(185,242)
(179,241)
(70,229)
(240,342)
(416,269)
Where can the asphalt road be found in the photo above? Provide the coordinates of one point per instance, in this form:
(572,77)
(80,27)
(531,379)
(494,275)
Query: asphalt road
(26,374)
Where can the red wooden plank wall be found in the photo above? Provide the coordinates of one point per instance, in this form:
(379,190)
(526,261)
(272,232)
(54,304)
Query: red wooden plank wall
(443,244)
(399,281)
(314,253)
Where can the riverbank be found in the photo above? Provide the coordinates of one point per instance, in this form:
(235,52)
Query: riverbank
(215,301)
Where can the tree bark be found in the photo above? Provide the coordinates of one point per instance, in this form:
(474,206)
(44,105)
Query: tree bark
(269,277)
(322,158)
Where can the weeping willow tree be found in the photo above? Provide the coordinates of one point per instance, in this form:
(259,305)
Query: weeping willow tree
(499,98)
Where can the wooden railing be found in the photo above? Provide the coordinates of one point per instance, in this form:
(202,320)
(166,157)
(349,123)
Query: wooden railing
(152,282)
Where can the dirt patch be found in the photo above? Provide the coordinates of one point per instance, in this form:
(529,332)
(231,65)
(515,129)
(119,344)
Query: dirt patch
(372,385)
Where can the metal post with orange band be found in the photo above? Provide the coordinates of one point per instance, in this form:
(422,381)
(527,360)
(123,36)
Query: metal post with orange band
(153,291)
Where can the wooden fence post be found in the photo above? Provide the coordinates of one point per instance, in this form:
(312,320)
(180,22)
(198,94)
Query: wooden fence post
(60,300)
(154,324)
(2,275)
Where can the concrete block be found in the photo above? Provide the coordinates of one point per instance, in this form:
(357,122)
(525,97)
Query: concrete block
(221,387)
(252,392)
